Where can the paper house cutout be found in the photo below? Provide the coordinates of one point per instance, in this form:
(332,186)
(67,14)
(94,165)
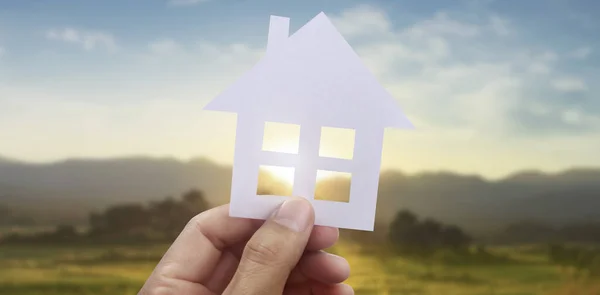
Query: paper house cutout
(314,79)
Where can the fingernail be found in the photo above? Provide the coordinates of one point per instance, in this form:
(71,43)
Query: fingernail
(294,214)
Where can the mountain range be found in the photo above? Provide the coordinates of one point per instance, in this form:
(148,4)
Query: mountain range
(67,191)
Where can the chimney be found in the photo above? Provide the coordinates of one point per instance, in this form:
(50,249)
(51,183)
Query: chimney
(279,30)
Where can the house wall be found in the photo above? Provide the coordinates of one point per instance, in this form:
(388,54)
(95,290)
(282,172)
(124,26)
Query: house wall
(365,178)
(306,168)
(359,213)
(248,145)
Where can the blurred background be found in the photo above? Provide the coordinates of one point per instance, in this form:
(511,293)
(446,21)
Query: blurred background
(105,153)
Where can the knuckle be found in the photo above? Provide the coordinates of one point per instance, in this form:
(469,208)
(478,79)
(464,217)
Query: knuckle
(262,253)
(159,285)
(196,222)
(160,290)
(163,280)
(166,271)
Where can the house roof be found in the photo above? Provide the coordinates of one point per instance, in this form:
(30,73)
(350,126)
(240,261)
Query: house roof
(313,76)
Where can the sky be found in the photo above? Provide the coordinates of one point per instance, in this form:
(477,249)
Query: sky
(492,87)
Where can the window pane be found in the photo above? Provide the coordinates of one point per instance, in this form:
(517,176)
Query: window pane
(337,143)
(333,186)
(281,137)
(275,180)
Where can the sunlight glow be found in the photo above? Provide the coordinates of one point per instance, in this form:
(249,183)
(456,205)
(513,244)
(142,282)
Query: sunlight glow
(285,174)
(337,143)
(284,138)
(280,137)
(325,174)
(333,186)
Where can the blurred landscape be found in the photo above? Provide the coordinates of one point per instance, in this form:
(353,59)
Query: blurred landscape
(99,227)
(105,152)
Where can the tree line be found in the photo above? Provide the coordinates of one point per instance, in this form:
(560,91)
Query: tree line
(163,220)
(407,234)
(130,222)
(537,232)
(411,235)
(585,260)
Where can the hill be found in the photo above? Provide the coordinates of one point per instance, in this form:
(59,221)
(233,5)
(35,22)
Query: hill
(66,191)
(70,189)
(480,205)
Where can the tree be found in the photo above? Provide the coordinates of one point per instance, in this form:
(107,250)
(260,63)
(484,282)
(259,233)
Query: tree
(170,216)
(410,235)
(403,230)
(431,232)
(595,266)
(195,199)
(65,232)
(453,237)
(164,218)
(125,218)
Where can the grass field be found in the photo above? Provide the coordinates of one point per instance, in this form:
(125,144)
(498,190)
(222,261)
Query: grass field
(123,269)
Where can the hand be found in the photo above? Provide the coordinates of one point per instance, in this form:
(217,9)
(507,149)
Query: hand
(218,254)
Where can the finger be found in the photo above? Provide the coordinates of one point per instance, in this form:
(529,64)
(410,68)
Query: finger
(320,267)
(338,289)
(222,273)
(322,237)
(319,289)
(196,252)
(274,250)
(173,287)
(317,266)
(313,266)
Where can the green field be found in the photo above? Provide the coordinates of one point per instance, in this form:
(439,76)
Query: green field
(123,269)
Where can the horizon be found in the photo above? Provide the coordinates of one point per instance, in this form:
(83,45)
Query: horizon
(229,165)
(493,88)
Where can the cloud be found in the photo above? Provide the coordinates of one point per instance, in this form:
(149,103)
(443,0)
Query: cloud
(572,117)
(164,46)
(548,56)
(578,118)
(501,26)
(580,53)
(89,40)
(539,63)
(451,72)
(538,67)
(156,113)
(185,2)
(360,21)
(442,24)
(480,101)
(569,84)
(417,64)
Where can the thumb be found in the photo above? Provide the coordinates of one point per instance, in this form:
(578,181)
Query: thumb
(274,250)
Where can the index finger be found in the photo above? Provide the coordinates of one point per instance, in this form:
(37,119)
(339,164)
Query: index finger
(197,250)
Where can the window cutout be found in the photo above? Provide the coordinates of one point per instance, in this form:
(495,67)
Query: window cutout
(337,143)
(333,186)
(275,180)
(281,137)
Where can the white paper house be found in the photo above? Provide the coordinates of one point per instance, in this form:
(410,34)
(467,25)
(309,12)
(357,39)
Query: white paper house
(314,79)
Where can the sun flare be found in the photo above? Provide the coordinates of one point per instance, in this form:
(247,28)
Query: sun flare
(284,174)
(284,138)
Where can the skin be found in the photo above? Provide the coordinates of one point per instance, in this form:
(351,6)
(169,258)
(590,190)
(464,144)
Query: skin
(218,254)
